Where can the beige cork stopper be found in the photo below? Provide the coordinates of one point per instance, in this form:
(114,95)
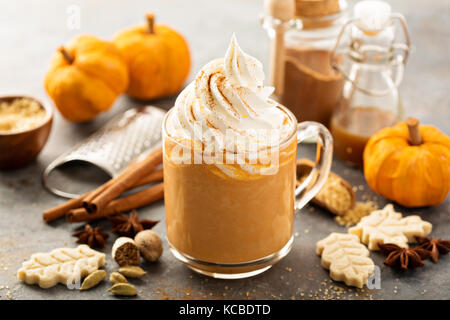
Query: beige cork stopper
(316,8)
(283,10)
(125,252)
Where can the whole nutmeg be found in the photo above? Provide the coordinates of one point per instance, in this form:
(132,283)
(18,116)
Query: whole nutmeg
(125,252)
(149,244)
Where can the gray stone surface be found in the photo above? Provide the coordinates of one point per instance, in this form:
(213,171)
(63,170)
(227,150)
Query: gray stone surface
(29,33)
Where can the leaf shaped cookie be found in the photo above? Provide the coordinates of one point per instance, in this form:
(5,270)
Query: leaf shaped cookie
(388,226)
(62,265)
(346,258)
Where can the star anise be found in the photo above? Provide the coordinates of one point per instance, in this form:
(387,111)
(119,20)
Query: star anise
(403,257)
(130,226)
(93,237)
(434,246)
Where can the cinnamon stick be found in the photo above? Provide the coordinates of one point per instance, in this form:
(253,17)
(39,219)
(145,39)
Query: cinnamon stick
(124,182)
(94,193)
(59,211)
(154,176)
(137,200)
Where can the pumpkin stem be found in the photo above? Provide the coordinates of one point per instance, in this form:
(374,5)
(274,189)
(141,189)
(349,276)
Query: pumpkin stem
(414,133)
(150,22)
(66,55)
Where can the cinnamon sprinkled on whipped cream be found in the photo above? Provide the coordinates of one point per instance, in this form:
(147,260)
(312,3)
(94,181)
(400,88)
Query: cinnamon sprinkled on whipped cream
(228,106)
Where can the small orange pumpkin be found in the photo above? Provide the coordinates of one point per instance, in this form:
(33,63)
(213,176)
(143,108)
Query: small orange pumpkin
(409,164)
(85,78)
(158,59)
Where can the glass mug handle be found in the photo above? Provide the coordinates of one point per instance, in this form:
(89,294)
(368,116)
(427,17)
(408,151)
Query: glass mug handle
(308,130)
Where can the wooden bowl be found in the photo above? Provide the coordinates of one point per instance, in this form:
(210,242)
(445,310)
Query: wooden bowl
(17,149)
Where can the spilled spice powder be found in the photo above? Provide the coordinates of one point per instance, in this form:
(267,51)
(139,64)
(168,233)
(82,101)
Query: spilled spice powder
(354,215)
(336,195)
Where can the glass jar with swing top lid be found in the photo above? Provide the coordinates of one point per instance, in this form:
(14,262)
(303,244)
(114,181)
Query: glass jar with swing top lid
(371,58)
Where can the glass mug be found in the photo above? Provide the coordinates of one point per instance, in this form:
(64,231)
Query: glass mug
(231,228)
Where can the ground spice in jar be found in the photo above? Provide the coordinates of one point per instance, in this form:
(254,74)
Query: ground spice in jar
(20,114)
(312,90)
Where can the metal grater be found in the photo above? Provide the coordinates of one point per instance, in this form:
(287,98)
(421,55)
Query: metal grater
(112,148)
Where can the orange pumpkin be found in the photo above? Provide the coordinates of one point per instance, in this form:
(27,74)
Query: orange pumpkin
(409,164)
(85,78)
(158,59)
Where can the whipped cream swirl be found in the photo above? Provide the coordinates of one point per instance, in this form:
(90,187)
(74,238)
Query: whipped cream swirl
(228,107)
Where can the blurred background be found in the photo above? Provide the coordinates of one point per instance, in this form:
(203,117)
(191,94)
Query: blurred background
(32,30)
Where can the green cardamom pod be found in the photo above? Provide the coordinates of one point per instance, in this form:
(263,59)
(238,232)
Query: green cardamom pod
(93,279)
(123,289)
(132,271)
(116,277)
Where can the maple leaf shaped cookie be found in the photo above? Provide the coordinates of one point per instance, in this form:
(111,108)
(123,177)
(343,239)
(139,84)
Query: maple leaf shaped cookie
(388,226)
(346,258)
(62,265)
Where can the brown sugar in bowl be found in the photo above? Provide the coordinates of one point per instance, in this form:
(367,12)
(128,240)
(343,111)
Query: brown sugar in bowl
(19,148)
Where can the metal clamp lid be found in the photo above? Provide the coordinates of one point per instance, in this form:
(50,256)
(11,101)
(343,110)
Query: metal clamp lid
(399,60)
